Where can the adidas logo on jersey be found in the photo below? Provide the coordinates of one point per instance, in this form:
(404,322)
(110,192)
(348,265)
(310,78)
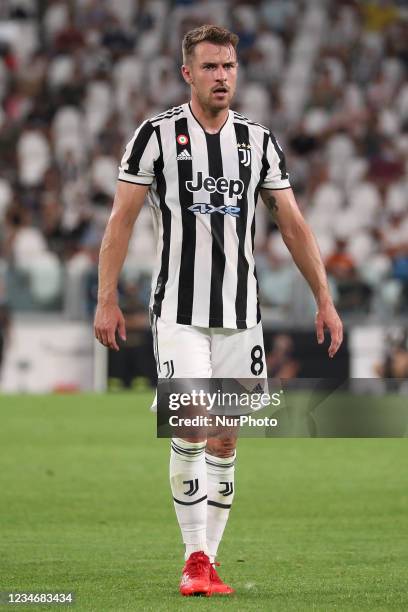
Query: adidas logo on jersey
(183,155)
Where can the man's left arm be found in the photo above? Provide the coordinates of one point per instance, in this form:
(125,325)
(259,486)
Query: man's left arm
(302,245)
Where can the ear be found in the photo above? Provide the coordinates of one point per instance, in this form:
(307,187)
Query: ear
(186,72)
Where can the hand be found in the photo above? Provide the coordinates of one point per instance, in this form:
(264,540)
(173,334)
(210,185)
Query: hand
(327,316)
(108,319)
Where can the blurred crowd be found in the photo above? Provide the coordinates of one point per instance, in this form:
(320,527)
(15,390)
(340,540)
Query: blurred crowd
(328,77)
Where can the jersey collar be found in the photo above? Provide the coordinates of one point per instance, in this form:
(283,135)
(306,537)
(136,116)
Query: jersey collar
(188,110)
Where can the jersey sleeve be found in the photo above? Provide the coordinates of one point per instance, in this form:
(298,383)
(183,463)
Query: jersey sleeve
(137,165)
(276,175)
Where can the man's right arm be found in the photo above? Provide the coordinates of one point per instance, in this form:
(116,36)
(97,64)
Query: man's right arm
(127,204)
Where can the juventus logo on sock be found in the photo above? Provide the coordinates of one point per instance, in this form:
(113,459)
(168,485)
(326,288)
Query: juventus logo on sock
(170,368)
(193,487)
(229,489)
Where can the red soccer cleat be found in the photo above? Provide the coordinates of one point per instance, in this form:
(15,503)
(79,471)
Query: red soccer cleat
(218,587)
(196,575)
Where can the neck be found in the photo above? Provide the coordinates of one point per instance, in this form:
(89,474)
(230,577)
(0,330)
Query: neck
(212,121)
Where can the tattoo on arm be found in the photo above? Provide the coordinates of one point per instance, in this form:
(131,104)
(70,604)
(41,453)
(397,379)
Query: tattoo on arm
(271,204)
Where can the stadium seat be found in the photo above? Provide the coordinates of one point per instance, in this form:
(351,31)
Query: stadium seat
(45,278)
(98,105)
(61,71)
(34,157)
(104,174)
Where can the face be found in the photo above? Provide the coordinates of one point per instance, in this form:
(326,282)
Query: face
(212,74)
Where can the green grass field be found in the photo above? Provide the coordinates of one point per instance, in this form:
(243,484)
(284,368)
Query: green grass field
(85,506)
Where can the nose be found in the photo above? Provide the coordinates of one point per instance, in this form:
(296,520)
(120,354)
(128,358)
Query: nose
(221,74)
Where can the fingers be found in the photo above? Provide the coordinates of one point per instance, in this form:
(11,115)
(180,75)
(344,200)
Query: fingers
(106,323)
(319,328)
(336,332)
(106,336)
(328,316)
(97,334)
(111,339)
(122,328)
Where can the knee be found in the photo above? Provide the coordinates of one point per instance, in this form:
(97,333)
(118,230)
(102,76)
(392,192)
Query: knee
(223,446)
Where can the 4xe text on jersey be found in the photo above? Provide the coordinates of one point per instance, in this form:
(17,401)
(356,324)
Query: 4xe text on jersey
(234,187)
(208,209)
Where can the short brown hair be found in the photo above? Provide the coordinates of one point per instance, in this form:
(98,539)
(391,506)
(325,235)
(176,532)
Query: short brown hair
(209,33)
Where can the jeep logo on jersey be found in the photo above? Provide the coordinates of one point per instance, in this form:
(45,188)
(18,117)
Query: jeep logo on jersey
(209,209)
(233,187)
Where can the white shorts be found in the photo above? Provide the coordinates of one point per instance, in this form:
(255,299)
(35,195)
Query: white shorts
(187,351)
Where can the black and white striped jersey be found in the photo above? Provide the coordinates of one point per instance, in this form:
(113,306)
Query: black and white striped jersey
(203,192)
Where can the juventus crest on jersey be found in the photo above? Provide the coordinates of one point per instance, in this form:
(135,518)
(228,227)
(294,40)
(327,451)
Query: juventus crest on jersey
(203,192)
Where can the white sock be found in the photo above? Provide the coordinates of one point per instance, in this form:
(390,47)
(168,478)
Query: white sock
(188,480)
(220,485)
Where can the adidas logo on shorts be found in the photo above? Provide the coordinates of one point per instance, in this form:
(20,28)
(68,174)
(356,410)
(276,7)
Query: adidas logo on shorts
(183,155)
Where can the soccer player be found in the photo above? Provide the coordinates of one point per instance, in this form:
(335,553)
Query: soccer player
(202,167)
